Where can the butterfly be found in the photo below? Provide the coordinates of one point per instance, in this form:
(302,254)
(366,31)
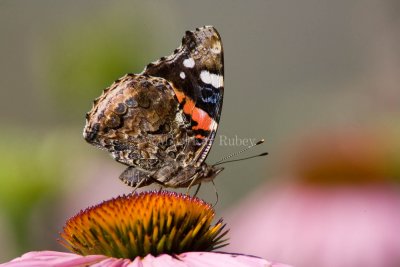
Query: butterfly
(162,122)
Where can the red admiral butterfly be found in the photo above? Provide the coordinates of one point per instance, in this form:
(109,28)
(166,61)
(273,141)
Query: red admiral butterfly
(162,122)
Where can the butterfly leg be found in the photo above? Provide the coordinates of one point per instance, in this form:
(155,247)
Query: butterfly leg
(197,190)
(138,185)
(190,186)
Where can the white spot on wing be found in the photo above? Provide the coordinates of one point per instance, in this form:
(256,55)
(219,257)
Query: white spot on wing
(216,80)
(188,63)
(182,75)
(205,77)
(210,78)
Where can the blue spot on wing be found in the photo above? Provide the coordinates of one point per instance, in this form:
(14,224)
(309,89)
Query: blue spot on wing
(210,95)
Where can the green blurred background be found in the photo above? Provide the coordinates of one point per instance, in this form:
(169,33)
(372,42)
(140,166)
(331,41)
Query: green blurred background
(292,68)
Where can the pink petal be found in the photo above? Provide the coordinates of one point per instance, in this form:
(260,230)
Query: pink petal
(189,259)
(113,262)
(161,260)
(53,259)
(207,259)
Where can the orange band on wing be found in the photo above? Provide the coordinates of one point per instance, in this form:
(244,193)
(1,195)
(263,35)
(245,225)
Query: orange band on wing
(204,121)
(189,106)
(202,118)
(179,95)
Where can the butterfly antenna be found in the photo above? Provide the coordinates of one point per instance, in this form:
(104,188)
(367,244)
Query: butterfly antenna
(223,160)
(233,160)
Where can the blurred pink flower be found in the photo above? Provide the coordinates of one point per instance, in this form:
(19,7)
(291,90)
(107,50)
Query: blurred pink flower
(188,259)
(342,208)
(331,227)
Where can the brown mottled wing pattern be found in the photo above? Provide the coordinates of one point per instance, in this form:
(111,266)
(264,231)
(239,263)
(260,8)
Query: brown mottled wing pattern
(135,119)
